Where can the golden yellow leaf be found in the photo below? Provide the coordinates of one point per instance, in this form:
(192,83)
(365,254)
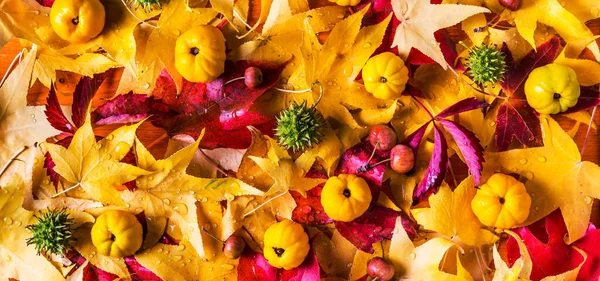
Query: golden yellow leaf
(328,151)
(95,166)
(418,263)
(451,215)
(87,249)
(551,13)
(20,125)
(588,71)
(20,261)
(335,254)
(556,177)
(584,10)
(420,20)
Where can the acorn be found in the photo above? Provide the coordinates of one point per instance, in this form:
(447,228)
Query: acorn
(382,137)
(234,247)
(379,269)
(53,232)
(299,127)
(512,5)
(253,77)
(402,158)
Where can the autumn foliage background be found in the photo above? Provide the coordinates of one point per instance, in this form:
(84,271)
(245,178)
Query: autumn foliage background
(141,126)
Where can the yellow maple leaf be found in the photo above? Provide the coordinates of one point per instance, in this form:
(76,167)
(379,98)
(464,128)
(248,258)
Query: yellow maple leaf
(418,263)
(556,177)
(168,191)
(551,13)
(20,261)
(522,267)
(336,64)
(420,19)
(95,166)
(451,215)
(20,125)
(588,71)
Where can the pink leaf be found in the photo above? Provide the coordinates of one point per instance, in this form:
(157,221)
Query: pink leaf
(253,266)
(469,147)
(436,171)
(307,271)
(308,209)
(129,108)
(373,226)
(414,140)
(139,272)
(462,106)
(355,160)
(46,3)
(55,115)
(589,244)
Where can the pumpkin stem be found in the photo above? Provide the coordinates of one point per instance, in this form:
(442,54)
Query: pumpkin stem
(194,51)
(502,200)
(556,96)
(347,193)
(75,21)
(278,251)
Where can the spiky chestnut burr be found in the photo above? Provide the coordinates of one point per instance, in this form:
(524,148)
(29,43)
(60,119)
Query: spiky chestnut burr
(53,232)
(147,5)
(486,64)
(299,127)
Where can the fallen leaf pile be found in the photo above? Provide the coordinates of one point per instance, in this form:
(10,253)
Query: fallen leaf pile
(226,175)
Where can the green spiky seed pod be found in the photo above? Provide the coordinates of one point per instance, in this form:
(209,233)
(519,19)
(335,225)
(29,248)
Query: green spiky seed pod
(486,64)
(299,127)
(53,232)
(147,5)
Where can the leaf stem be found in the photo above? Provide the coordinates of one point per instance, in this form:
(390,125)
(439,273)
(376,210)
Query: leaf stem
(66,190)
(12,158)
(156,141)
(423,106)
(213,162)
(587,134)
(306,91)
(212,236)
(264,203)
(10,67)
(233,80)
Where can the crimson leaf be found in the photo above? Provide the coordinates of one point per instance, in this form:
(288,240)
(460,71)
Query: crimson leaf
(462,106)
(516,119)
(129,108)
(469,147)
(139,272)
(308,209)
(56,117)
(590,97)
(307,271)
(356,161)
(436,171)
(83,95)
(254,267)
(375,225)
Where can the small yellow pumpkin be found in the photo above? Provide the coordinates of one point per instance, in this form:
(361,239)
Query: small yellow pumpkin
(200,54)
(501,202)
(345,2)
(552,88)
(385,76)
(286,245)
(77,21)
(117,234)
(346,197)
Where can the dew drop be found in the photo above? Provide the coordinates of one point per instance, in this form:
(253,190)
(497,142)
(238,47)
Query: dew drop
(227,266)
(529,175)
(177,32)
(110,137)
(98,145)
(122,147)
(177,258)
(36,12)
(160,250)
(210,269)
(492,124)
(588,200)
(180,208)
(167,201)
(542,159)
(147,86)
(18,223)
(34,120)
(367,45)
(340,16)
(8,221)
(8,258)
(523,161)
(158,262)
(412,256)
(32,116)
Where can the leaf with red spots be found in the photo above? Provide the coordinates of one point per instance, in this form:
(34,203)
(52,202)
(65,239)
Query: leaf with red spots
(375,225)
(516,119)
(309,209)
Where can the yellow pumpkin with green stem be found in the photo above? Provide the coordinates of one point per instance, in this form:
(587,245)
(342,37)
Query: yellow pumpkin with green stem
(385,76)
(502,202)
(346,2)
(77,21)
(117,233)
(552,88)
(200,54)
(346,197)
(286,245)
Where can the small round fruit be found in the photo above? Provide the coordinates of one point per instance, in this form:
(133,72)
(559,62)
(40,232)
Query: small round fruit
(552,88)
(512,5)
(77,21)
(402,158)
(346,197)
(200,54)
(234,246)
(117,234)
(379,268)
(502,202)
(383,137)
(346,2)
(286,245)
(385,76)
(253,77)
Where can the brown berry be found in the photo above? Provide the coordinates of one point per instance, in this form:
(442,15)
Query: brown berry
(384,136)
(402,158)
(381,269)
(234,246)
(253,77)
(512,5)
